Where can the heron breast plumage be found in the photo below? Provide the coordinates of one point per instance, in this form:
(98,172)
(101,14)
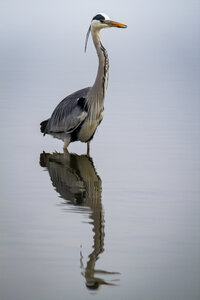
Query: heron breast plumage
(87,131)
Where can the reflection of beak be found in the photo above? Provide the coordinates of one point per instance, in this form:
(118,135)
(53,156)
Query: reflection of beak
(115,24)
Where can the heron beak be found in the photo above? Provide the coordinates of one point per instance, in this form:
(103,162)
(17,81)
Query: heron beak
(115,24)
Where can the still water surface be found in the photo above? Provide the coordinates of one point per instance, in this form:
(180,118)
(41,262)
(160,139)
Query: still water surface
(121,224)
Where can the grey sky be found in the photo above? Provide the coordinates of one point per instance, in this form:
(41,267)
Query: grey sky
(55,29)
(42,45)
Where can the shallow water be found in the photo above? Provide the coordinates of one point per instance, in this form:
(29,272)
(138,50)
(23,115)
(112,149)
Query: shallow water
(123,223)
(125,220)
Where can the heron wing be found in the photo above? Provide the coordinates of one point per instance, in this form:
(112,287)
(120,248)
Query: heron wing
(69,113)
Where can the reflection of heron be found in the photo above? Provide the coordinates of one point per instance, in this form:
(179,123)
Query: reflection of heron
(77,116)
(77,181)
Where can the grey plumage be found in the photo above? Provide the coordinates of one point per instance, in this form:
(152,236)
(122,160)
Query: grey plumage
(77,117)
(67,115)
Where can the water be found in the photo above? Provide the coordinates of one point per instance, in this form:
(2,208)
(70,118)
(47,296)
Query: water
(126,218)
(123,223)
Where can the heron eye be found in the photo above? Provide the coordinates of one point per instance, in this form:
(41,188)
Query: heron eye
(102,21)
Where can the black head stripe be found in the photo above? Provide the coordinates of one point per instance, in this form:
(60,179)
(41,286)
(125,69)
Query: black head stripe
(98,17)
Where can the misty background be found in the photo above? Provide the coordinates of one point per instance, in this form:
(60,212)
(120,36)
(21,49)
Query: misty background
(43,43)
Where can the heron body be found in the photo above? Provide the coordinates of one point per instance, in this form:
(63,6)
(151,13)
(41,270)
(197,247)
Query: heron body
(77,116)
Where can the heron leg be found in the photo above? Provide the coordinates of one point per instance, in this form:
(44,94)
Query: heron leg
(88,148)
(66,143)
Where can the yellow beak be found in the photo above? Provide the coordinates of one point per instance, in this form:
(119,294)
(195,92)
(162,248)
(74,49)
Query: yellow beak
(115,24)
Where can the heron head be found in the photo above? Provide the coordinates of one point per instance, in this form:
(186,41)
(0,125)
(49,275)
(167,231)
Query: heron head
(101,21)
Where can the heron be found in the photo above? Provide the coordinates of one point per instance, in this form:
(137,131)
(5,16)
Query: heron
(77,116)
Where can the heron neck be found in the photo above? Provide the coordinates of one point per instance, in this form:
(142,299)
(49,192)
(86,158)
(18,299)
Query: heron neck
(100,84)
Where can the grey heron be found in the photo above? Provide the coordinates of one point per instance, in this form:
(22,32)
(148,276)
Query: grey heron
(77,116)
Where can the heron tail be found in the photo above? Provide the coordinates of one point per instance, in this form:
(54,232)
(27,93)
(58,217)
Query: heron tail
(43,126)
